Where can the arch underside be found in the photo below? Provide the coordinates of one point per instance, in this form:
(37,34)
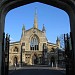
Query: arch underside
(7,5)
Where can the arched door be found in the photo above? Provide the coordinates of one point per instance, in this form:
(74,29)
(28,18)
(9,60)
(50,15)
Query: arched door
(53,60)
(34,59)
(15,61)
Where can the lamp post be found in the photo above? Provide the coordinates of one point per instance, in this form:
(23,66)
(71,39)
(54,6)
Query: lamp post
(58,56)
(44,54)
(21,56)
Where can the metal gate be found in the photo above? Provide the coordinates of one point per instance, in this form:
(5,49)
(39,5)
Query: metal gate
(5,54)
(69,54)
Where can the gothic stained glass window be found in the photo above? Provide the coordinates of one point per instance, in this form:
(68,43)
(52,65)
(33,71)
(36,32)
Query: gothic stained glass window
(34,44)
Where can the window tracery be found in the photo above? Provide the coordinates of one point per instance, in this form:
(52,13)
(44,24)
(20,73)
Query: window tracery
(34,43)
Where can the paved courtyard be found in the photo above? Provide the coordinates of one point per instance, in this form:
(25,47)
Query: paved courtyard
(37,71)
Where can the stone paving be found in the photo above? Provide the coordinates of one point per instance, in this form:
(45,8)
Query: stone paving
(35,69)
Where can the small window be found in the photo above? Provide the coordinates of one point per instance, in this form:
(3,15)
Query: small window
(23,44)
(15,49)
(53,50)
(44,45)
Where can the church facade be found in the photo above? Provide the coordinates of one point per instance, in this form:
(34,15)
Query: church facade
(33,47)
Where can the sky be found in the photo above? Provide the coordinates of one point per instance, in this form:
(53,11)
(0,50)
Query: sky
(55,20)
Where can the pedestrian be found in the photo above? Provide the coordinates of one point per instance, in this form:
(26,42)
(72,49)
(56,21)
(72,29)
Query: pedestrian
(15,66)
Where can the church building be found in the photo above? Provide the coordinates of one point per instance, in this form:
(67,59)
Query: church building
(33,47)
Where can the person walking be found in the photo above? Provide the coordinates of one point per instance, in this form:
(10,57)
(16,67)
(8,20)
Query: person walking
(15,66)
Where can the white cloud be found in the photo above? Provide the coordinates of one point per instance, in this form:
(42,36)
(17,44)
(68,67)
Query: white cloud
(11,39)
(48,40)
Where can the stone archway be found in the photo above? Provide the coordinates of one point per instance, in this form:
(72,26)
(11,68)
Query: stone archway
(67,5)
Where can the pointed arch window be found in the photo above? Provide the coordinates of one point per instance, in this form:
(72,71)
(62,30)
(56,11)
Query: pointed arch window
(34,43)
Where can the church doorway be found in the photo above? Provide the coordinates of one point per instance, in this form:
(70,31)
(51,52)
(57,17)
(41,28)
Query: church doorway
(52,60)
(34,59)
(15,61)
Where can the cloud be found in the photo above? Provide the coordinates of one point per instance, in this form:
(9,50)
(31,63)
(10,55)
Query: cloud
(48,40)
(11,39)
